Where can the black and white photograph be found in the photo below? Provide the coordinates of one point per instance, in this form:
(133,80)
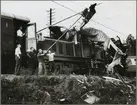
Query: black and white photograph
(68,52)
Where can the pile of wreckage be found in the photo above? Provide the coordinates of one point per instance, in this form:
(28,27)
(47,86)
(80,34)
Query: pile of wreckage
(63,89)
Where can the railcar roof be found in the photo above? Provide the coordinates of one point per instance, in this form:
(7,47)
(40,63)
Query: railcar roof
(15,16)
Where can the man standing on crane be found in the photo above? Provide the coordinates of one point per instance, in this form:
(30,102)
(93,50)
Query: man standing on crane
(88,14)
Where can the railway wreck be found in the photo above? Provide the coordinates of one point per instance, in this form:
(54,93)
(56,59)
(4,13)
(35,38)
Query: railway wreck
(92,68)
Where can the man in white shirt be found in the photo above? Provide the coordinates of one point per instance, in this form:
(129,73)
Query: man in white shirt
(51,61)
(20,36)
(18,59)
(40,37)
(41,65)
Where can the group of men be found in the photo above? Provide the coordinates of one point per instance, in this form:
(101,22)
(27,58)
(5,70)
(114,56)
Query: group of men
(18,52)
(41,62)
(34,59)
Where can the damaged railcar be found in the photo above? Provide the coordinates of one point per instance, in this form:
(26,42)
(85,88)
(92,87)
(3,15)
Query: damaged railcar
(88,50)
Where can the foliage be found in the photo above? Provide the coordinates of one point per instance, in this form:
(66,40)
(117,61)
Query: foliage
(53,89)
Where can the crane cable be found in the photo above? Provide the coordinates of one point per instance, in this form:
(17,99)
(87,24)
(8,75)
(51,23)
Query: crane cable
(58,22)
(108,27)
(62,19)
(91,19)
(63,6)
(63,34)
(68,7)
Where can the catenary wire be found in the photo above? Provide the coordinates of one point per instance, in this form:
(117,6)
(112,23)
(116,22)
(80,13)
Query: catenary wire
(92,19)
(108,27)
(58,22)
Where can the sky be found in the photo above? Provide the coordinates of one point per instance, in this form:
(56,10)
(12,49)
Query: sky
(117,15)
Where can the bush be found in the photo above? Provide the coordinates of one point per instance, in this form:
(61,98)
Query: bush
(54,89)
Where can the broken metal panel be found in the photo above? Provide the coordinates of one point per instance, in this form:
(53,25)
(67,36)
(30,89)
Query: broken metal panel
(90,98)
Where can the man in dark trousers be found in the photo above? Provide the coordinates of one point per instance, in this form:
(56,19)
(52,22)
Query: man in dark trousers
(32,59)
(41,66)
(18,59)
(51,61)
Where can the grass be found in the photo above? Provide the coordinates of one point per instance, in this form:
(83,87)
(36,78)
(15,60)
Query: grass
(51,89)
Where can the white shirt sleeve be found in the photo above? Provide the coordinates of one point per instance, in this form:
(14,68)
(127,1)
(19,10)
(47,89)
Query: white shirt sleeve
(19,33)
(17,52)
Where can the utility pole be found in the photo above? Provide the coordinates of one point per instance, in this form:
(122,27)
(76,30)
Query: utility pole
(51,17)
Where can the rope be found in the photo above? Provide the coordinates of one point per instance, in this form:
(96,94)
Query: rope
(91,19)
(59,22)
(63,34)
(108,27)
(69,8)
(64,6)
(62,19)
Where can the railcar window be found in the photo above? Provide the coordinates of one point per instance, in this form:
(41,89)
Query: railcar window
(31,32)
(7,26)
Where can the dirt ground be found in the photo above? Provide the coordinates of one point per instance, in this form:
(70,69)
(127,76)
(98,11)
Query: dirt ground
(66,89)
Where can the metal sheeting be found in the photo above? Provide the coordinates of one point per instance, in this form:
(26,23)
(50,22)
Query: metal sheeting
(15,16)
(94,34)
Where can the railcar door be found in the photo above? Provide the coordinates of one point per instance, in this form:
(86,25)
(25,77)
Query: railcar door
(31,40)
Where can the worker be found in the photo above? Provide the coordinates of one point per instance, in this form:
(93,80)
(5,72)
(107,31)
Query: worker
(91,12)
(88,14)
(32,59)
(75,39)
(20,36)
(18,59)
(51,61)
(41,63)
(85,12)
(40,37)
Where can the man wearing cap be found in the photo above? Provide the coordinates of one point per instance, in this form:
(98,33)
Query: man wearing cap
(51,61)
(41,64)
(18,59)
